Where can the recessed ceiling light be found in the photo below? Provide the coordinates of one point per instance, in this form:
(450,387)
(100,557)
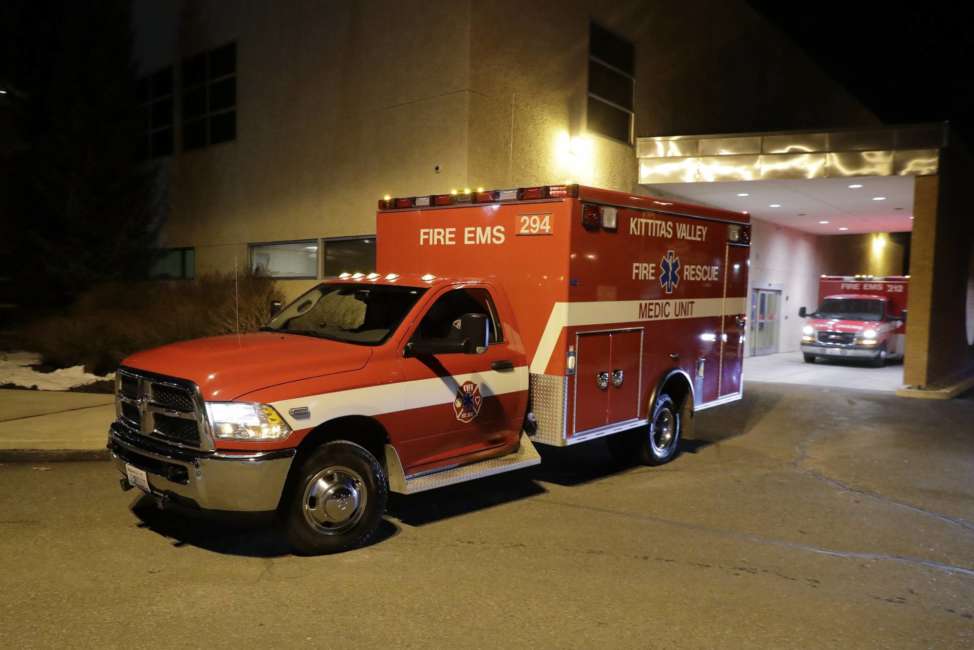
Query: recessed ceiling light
(843,228)
(855,186)
(802,214)
(775,205)
(823,222)
(879,198)
(911,217)
(743,194)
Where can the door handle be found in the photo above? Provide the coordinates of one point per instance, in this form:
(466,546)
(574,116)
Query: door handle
(618,377)
(602,380)
(502,365)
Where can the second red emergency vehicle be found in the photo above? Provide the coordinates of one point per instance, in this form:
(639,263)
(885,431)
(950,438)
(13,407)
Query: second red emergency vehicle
(858,317)
(496,320)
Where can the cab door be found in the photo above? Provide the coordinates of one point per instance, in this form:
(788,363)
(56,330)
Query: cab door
(734,320)
(461,407)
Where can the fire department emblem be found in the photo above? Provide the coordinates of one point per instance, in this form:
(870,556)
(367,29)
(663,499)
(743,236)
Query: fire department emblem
(669,276)
(468,401)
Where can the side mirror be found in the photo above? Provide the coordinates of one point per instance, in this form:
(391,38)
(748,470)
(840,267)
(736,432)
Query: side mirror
(275,308)
(802,312)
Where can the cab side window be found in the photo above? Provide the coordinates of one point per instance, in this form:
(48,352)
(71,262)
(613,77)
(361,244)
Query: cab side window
(442,321)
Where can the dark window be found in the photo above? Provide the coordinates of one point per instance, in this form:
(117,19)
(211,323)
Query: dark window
(175,264)
(442,321)
(349,255)
(209,97)
(611,85)
(155,93)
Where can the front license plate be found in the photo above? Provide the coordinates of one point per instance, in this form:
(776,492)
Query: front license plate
(137,477)
(834,351)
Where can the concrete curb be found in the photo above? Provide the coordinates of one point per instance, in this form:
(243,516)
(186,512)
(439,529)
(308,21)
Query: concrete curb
(947,392)
(52,455)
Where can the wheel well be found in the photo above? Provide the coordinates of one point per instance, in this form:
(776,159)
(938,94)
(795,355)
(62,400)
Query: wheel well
(355,428)
(677,387)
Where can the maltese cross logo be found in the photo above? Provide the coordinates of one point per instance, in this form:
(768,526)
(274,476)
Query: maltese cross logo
(670,276)
(467,403)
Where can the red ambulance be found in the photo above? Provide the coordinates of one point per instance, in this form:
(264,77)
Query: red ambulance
(859,317)
(496,320)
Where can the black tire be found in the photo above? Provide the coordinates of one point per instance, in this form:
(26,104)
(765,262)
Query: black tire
(809,358)
(880,361)
(356,488)
(660,440)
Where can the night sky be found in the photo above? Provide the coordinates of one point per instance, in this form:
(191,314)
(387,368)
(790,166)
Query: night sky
(906,63)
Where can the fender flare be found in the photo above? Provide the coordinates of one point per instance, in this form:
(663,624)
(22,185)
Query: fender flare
(665,379)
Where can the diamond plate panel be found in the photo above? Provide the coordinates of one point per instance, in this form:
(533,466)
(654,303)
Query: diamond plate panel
(549,403)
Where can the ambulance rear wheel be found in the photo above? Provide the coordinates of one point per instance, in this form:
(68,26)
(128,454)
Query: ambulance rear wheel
(661,439)
(809,358)
(335,500)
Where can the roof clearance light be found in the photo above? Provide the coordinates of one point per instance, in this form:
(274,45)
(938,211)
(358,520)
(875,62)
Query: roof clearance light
(373,276)
(479,190)
(453,192)
(386,198)
(392,277)
(429,277)
(344,276)
(358,276)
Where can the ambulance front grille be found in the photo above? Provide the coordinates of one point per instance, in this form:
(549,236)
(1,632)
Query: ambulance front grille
(549,403)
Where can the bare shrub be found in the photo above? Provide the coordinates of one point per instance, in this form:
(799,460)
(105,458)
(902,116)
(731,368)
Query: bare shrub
(114,320)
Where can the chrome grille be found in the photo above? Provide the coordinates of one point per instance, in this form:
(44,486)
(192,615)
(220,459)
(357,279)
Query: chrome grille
(837,338)
(166,408)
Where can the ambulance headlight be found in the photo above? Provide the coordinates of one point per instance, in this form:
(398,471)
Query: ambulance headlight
(869,334)
(808,330)
(245,421)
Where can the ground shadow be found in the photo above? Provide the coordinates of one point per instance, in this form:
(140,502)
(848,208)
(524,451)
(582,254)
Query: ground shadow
(225,534)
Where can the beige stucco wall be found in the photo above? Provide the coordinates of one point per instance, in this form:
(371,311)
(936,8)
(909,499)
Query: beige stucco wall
(789,260)
(866,254)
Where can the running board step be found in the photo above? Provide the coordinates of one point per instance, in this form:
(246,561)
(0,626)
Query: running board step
(525,456)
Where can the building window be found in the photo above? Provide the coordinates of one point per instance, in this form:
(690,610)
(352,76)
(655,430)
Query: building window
(175,264)
(611,85)
(349,255)
(155,93)
(292,259)
(209,97)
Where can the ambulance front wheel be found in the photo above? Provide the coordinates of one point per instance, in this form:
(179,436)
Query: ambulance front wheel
(809,358)
(335,500)
(661,438)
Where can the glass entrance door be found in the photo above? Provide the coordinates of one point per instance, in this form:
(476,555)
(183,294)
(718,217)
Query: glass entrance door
(765,310)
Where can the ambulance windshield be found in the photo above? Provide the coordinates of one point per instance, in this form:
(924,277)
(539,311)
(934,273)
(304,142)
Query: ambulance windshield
(851,309)
(365,314)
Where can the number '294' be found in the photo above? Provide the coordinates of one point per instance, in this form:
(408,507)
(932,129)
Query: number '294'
(534,224)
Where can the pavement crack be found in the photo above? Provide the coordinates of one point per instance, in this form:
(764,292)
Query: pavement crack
(42,415)
(769,541)
(798,464)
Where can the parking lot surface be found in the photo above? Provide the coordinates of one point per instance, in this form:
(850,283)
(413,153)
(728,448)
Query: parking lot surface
(798,518)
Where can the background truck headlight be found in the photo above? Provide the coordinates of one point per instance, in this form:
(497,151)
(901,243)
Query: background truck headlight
(808,330)
(868,337)
(245,421)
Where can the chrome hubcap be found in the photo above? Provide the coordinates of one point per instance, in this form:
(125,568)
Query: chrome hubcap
(334,500)
(663,434)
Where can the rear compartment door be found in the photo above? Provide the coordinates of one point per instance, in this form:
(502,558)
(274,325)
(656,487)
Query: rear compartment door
(732,335)
(607,378)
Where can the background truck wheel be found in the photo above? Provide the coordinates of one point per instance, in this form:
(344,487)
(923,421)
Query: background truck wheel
(336,499)
(880,361)
(809,358)
(661,439)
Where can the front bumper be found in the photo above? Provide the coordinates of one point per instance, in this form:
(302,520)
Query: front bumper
(208,480)
(842,351)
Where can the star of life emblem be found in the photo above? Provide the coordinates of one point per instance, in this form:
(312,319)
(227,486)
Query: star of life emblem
(467,402)
(669,277)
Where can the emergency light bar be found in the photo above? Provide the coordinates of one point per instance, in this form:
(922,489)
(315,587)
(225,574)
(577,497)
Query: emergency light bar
(480,196)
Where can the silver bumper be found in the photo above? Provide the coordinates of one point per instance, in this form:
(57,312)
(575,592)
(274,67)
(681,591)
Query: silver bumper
(840,352)
(247,482)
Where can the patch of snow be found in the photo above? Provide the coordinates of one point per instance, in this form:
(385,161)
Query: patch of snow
(15,368)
